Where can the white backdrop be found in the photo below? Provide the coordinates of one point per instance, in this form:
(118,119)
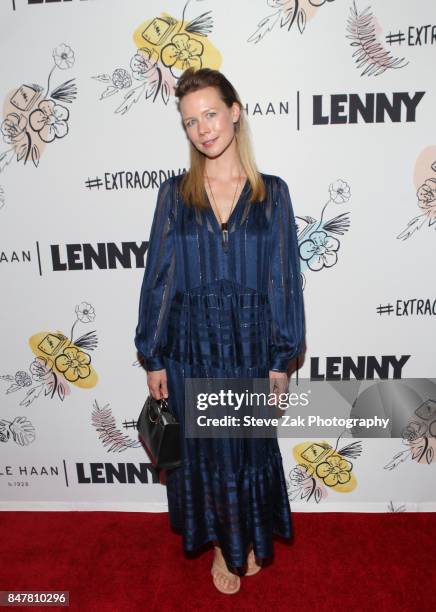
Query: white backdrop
(87,98)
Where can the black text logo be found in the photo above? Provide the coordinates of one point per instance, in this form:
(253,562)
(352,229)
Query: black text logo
(363,367)
(103,256)
(109,473)
(373,108)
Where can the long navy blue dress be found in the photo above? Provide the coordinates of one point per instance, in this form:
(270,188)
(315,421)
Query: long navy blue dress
(205,312)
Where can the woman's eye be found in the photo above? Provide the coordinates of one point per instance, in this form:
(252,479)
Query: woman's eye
(211,114)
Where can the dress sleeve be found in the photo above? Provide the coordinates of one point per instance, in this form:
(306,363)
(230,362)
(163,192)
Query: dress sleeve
(284,285)
(158,282)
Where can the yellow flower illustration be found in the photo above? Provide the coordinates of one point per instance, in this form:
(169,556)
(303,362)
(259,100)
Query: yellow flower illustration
(183,52)
(329,465)
(59,353)
(334,470)
(73,364)
(177,43)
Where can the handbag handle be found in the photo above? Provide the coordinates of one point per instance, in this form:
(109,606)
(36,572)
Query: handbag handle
(161,401)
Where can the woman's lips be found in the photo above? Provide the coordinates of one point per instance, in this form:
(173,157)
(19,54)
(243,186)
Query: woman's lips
(209,143)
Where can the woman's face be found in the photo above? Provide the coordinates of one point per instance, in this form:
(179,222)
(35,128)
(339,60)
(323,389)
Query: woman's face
(208,121)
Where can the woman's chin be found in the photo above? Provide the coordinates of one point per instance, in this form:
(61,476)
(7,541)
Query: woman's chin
(215,150)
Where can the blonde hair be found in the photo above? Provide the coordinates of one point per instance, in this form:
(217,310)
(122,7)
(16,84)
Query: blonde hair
(192,184)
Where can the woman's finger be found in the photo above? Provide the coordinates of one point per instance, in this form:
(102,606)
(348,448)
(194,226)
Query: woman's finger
(164,388)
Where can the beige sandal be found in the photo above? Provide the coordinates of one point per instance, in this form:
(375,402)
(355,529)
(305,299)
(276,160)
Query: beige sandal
(218,572)
(253,567)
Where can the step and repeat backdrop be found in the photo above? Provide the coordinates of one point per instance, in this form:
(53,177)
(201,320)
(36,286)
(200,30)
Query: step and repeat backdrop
(340,98)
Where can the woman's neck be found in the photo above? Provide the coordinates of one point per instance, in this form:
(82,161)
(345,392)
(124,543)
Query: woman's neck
(225,167)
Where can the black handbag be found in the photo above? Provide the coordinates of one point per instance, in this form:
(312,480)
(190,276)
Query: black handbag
(159,430)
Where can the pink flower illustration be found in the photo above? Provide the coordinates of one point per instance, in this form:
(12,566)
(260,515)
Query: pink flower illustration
(142,62)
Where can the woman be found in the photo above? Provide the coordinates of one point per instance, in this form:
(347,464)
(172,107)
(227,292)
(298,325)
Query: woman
(221,298)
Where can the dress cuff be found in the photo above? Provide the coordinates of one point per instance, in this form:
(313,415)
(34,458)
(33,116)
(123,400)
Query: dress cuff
(154,363)
(279,364)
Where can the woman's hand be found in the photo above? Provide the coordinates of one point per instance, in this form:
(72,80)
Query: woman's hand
(278,383)
(157,384)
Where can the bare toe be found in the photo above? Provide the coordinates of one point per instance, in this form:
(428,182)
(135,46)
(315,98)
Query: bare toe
(225,581)
(252,565)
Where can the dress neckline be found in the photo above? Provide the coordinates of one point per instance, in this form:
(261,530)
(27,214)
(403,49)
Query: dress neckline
(217,221)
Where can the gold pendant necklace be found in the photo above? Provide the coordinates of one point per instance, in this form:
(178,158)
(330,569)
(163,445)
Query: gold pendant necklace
(224,225)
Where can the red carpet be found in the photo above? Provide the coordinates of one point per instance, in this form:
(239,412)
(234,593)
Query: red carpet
(133,561)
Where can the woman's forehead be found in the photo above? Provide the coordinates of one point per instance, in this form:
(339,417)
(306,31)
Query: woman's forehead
(201,99)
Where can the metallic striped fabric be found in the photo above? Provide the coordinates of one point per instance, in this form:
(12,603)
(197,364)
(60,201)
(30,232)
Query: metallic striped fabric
(202,305)
(207,312)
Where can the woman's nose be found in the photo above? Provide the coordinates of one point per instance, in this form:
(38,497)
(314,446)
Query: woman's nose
(203,127)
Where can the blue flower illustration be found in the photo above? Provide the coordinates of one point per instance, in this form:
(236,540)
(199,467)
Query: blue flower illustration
(319,251)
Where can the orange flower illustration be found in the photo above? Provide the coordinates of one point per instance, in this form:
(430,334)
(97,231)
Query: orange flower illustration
(50,120)
(427,197)
(34,118)
(334,470)
(73,364)
(183,52)
(13,127)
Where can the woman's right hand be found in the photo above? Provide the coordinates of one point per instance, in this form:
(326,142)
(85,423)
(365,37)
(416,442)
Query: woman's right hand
(157,384)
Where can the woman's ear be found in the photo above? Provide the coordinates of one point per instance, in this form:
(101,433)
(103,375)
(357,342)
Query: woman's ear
(236,111)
